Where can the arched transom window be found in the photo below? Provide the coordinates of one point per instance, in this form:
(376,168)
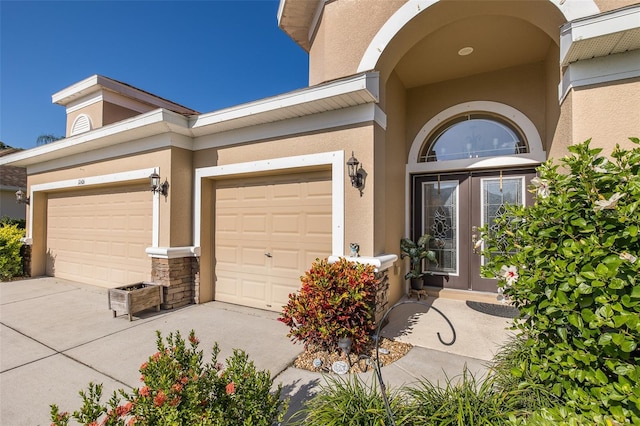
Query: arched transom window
(474,135)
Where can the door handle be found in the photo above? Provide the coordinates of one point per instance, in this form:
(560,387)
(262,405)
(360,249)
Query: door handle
(475,243)
(268,254)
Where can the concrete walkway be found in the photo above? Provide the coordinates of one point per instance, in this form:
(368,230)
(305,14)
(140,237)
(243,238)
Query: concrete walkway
(56,336)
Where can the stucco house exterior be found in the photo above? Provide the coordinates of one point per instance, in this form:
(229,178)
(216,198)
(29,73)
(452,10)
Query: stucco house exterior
(448,107)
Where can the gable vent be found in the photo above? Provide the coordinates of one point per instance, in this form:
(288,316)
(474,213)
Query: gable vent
(81,124)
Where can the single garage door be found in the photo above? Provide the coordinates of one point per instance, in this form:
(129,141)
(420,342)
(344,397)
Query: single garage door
(99,236)
(268,232)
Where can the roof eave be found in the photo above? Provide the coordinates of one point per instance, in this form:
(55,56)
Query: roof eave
(600,35)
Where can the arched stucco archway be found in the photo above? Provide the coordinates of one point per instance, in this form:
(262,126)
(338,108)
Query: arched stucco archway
(403,17)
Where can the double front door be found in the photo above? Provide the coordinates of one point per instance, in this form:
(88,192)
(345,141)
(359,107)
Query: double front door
(452,208)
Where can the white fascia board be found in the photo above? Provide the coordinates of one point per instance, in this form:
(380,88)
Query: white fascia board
(79,89)
(154,122)
(316,19)
(619,66)
(312,123)
(280,11)
(126,149)
(97,82)
(367,82)
(593,27)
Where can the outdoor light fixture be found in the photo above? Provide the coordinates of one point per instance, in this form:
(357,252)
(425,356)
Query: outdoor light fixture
(356,174)
(156,186)
(20,197)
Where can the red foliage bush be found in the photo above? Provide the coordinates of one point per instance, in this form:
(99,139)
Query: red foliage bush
(336,301)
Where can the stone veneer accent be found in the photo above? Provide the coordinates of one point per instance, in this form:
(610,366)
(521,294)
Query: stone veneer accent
(382,296)
(25,252)
(177,276)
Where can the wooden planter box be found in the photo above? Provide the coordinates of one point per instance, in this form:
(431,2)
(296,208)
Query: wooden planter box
(135,298)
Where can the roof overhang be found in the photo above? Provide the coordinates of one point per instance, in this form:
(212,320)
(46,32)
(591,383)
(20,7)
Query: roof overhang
(298,18)
(98,83)
(600,35)
(352,91)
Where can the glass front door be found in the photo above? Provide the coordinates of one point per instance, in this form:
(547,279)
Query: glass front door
(451,208)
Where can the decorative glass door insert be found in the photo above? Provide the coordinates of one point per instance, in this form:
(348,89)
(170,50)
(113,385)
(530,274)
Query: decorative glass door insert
(440,220)
(452,208)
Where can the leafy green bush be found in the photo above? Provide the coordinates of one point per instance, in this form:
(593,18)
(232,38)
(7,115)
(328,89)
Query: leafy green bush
(570,264)
(6,220)
(10,258)
(335,301)
(180,390)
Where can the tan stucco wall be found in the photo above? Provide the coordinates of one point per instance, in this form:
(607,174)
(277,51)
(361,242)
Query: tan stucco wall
(94,111)
(393,200)
(336,48)
(563,132)
(522,88)
(607,113)
(181,192)
(607,5)
(113,113)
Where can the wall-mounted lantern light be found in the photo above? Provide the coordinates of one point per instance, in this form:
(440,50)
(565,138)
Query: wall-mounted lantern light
(356,174)
(156,186)
(21,198)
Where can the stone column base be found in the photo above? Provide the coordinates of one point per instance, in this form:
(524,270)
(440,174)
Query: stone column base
(177,276)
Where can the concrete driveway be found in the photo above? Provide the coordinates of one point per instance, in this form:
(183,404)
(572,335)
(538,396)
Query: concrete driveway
(56,336)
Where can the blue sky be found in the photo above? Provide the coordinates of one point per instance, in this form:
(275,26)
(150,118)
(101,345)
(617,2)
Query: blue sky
(205,55)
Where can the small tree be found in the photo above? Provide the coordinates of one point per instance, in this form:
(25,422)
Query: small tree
(335,301)
(570,264)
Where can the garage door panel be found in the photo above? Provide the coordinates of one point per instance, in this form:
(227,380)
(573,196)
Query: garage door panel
(253,256)
(285,260)
(99,236)
(254,223)
(286,216)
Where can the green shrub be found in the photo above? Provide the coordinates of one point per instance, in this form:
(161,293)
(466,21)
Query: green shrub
(570,265)
(526,395)
(180,390)
(462,401)
(6,220)
(10,258)
(335,301)
(349,401)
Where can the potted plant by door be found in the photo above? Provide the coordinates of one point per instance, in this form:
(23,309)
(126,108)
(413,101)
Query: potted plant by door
(416,251)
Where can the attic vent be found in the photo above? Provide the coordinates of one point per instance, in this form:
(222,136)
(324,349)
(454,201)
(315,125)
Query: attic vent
(81,124)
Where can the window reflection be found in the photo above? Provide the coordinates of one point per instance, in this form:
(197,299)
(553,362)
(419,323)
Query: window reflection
(474,136)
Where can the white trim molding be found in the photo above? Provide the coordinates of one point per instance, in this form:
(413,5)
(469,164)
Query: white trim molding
(173,252)
(93,181)
(335,159)
(605,69)
(380,263)
(536,151)
(571,9)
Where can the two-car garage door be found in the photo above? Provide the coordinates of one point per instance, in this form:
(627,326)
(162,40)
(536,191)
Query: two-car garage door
(268,231)
(99,236)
